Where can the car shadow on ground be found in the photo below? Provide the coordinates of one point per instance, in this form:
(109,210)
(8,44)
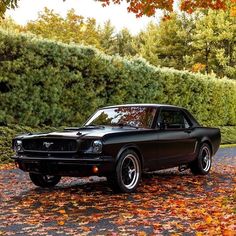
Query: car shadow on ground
(164,183)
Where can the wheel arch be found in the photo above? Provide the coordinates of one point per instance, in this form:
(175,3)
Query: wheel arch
(208,142)
(132,147)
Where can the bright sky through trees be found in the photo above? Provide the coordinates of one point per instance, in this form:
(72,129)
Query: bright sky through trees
(120,18)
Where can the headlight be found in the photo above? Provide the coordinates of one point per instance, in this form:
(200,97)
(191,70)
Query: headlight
(97,146)
(18,146)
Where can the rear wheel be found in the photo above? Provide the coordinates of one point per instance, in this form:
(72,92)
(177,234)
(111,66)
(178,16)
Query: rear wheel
(202,165)
(128,173)
(44,181)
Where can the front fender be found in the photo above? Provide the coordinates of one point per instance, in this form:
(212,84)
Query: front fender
(133,147)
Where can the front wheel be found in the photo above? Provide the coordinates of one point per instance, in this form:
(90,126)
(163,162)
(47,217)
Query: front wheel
(202,165)
(44,181)
(128,173)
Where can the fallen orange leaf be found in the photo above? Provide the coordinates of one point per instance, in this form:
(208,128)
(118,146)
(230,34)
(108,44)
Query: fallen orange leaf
(228,232)
(61,222)
(62,211)
(141,233)
(208,219)
(199,234)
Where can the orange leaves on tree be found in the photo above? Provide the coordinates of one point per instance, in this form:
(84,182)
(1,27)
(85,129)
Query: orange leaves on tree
(233,11)
(191,5)
(149,7)
(233,8)
(198,67)
(143,7)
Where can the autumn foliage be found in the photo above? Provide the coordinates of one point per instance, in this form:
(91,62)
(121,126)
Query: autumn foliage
(149,7)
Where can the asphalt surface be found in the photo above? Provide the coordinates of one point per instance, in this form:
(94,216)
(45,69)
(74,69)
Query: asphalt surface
(87,206)
(226,156)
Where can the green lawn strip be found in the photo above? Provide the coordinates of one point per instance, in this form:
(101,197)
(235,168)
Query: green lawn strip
(228,145)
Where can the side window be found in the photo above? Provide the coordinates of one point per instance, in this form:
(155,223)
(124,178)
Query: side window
(186,124)
(173,119)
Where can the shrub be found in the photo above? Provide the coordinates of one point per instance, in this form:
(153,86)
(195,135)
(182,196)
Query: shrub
(8,133)
(43,82)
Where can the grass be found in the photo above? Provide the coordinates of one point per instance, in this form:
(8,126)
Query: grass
(228,145)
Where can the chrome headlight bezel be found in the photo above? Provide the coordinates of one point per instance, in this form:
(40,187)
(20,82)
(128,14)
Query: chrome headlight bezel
(18,146)
(97,146)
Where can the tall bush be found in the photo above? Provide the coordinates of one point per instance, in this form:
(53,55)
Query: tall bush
(44,82)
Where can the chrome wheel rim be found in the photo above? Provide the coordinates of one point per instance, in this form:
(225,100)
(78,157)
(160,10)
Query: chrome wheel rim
(130,171)
(206,158)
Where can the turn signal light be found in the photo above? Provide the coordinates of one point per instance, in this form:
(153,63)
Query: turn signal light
(95,169)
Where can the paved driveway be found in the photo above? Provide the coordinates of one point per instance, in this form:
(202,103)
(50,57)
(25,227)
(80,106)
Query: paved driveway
(167,203)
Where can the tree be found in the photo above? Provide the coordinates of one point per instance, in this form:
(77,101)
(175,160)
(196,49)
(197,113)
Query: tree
(168,43)
(214,43)
(10,24)
(201,42)
(147,44)
(148,7)
(73,28)
(107,37)
(125,45)
(7,4)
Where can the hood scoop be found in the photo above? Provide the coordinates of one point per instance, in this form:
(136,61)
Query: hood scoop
(73,129)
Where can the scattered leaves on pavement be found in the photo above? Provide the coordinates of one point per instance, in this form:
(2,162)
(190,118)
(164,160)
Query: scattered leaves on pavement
(166,203)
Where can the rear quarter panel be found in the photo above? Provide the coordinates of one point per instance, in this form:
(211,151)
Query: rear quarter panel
(209,135)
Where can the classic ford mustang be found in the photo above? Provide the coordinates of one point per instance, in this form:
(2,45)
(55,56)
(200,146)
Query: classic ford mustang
(119,142)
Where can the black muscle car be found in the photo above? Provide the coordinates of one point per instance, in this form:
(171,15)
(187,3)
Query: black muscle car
(119,142)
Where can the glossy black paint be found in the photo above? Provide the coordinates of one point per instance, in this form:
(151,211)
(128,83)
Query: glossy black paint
(157,147)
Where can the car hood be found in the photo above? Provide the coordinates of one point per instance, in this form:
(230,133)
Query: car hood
(79,133)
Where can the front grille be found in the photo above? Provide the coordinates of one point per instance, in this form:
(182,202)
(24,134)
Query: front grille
(50,145)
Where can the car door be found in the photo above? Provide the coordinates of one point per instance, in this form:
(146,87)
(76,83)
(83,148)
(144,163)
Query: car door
(175,145)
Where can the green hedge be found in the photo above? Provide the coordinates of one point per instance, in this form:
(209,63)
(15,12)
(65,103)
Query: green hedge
(7,133)
(228,134)
(44,82)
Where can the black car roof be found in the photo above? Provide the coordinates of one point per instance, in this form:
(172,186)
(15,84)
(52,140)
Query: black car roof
(142,105)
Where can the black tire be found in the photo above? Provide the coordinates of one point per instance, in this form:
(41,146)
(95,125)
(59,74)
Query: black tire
(202,164)
(127,175)
(44,181)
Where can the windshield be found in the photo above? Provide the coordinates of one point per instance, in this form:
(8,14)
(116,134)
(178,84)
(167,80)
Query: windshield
(137,116)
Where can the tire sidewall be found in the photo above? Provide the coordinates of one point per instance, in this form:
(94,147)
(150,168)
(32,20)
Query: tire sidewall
(38,180)
(120,183)
(200,165)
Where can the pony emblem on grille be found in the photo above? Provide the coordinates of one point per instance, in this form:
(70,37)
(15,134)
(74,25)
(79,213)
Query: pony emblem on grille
(47,144)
